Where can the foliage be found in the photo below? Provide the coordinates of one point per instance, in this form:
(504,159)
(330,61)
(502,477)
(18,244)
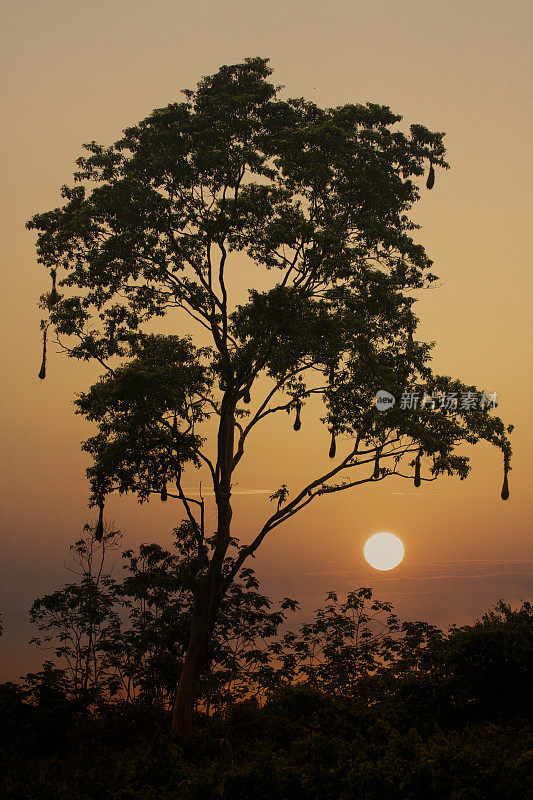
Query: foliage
(346,642)
(304,742)
(127,638)
(79,622)
(354,703)
(486,667)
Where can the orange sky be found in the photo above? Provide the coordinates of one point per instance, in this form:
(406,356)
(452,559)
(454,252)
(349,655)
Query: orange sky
(76,71)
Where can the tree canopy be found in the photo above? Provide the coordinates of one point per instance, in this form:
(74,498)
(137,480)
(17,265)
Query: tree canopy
(318,196)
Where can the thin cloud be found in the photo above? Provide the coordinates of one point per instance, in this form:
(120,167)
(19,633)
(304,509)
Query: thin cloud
(402,577)
(458,577)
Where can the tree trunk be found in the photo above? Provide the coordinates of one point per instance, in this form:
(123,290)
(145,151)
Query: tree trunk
(209,596)
(195,661)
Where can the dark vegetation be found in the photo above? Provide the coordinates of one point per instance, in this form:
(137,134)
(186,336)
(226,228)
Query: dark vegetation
(353,704)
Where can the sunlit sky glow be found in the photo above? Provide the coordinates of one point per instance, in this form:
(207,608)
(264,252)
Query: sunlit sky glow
(73,72)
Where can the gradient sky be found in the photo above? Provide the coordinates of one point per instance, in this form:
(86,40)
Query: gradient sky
(76,71)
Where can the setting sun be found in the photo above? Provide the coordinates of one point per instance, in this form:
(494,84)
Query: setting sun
(384,551)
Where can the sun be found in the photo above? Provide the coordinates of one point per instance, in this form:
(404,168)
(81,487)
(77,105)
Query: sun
(384,551)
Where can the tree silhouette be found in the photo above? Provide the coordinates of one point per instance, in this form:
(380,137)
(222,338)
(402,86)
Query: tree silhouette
(79,622)
(123,638)
(318,199)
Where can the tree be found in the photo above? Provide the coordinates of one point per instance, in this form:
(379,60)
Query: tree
(486,667)
(318,198)
(80,623)
(347,642)
(158,593)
